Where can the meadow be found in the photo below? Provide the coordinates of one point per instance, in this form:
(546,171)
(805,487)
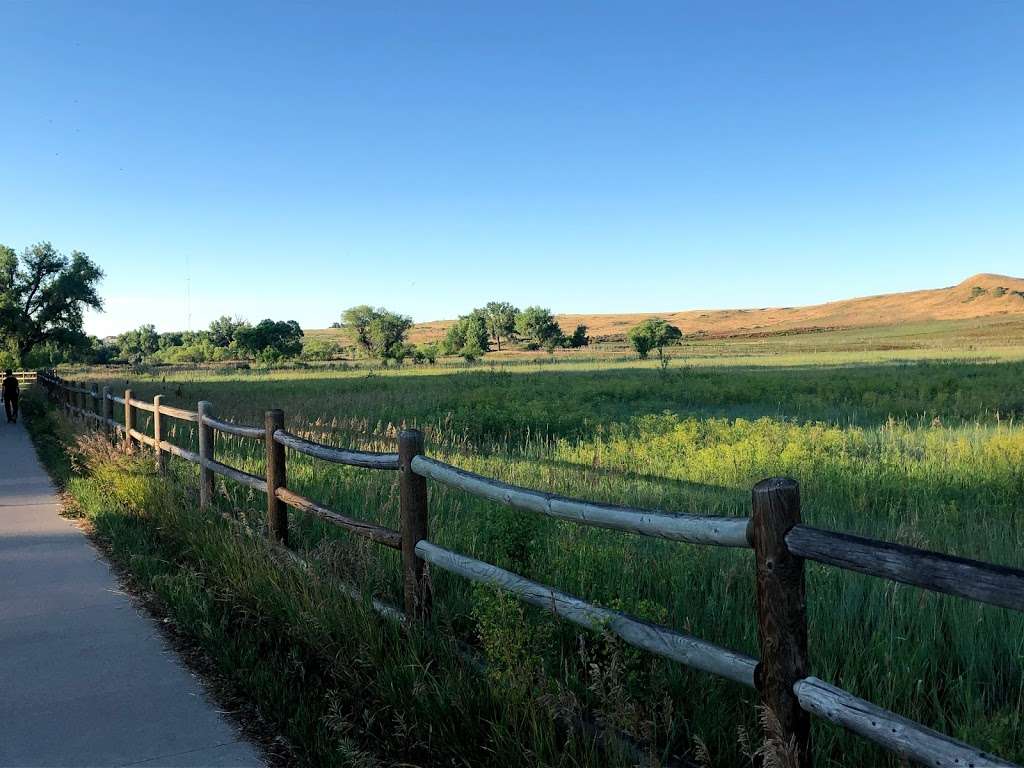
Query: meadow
(912,435)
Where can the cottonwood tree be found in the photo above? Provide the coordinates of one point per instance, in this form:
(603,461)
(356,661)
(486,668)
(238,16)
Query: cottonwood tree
(378,332)
(139,344)
(469,336)
(538,325)
(43,297)
(224,330)
(653,333)
(271,340)
(501,320)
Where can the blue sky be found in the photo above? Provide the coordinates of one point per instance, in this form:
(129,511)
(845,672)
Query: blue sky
(295,159)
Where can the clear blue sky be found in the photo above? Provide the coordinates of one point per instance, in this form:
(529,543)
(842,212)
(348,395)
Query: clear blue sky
(295,159)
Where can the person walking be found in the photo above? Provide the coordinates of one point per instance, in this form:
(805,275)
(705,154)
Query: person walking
(11,390)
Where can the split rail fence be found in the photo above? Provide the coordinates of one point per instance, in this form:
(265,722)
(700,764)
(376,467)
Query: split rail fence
(781,544)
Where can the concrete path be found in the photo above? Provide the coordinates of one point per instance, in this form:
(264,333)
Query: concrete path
(85,678)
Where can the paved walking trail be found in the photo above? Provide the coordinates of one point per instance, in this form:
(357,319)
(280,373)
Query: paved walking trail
(85,678)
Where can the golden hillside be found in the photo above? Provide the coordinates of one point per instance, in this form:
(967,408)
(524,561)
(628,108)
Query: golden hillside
(983,295)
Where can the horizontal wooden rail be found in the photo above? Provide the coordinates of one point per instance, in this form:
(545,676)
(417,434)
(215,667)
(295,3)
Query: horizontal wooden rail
(142,437)
(257,483)
(385,536)
(240,430)
(116,399)
(142,405)
(178,413)
(367,459)
(177,450)
(661,641)
(695,529)
(906,738)
(983,582)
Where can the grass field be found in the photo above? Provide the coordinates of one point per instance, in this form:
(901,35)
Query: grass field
(911,434)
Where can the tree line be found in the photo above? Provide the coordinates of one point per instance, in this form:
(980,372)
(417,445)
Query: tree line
(44,295)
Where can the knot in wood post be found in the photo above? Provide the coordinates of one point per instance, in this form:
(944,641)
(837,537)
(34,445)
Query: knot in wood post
(414,525)
(277,477)
(781,620)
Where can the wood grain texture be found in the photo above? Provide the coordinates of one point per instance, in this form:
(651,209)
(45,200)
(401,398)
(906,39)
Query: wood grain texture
(366,459)
(687,650)
(971,579)
(906,738)
(142,405)
(414,527)
(161,456)
(385,536)
(179,413)
(239,430)
(181,453)
(695,529)
(277,476)
(205,408)
(256,483)
(781,618)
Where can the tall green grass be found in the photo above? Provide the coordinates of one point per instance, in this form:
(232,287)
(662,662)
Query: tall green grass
(930,455)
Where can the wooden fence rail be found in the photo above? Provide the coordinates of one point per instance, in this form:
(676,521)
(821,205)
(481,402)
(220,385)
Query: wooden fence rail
(781,545)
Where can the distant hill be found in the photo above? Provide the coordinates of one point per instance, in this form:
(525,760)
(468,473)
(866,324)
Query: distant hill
(983,295)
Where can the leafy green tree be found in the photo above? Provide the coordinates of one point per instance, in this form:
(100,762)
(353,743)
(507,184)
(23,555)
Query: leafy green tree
(539,325)
(387,332)
(321,349)
(579,337)
(138,344)
(378,332)
(271,340)
(468,336)
(43,297)
(653,333)
(427,353)
(224,330)
(501,320)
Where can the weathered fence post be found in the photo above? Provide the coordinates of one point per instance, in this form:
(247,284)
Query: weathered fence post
(129,419)
(781,620)
(277,477)
(414,526)
(108,410)
(205,408)
(94,394)
(161,457)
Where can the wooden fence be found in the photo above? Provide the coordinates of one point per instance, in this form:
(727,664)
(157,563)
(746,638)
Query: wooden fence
(780,541)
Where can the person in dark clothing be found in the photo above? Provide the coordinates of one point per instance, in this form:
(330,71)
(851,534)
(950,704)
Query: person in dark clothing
(11,392)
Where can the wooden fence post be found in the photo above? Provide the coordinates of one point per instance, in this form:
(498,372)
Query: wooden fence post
(108,410)
(781,620)
(129,419)
(161,457)
(94,394)
(414,526)
(205,409)
(277,477)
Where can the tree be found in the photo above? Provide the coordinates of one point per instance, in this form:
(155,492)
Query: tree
(501,320)
(538,325)
(387,332)
(469,336)
(43,297)
(139,344)
(653,333)
(378,332)
(579,337)
(224,330)
(271,340)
